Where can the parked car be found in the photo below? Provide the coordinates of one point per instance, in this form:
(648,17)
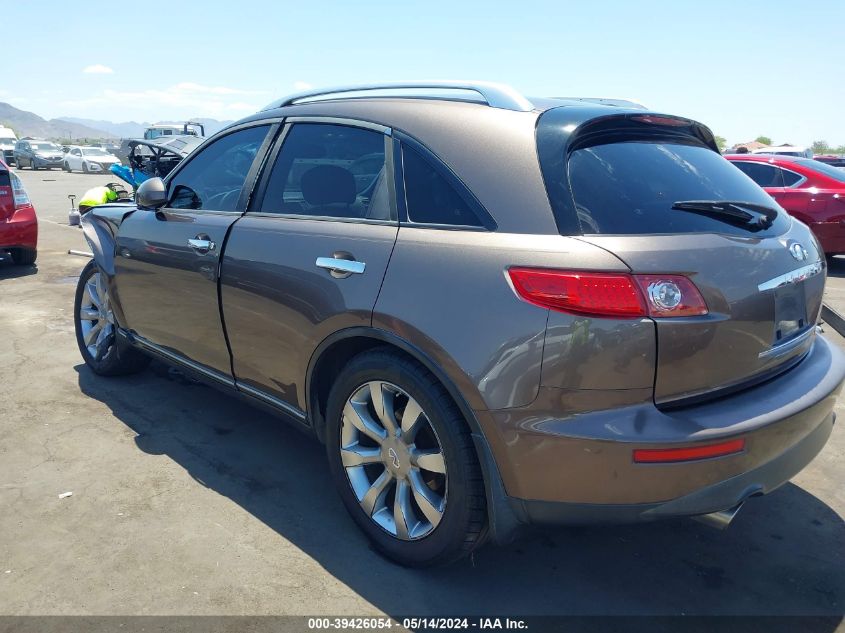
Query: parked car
(88,159)
(18,222)
(37,154)
(831,159)
(189,128)
(7,145)
(547,311)
(812,191)
(786,150)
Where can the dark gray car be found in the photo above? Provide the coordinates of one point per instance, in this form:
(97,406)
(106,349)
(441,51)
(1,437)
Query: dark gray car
(492,311)
(38,154)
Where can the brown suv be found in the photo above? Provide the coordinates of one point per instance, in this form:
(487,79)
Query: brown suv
(492,311)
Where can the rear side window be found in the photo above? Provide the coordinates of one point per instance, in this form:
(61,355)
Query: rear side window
(629,188)
(327,170)
(430,198)
(790,178)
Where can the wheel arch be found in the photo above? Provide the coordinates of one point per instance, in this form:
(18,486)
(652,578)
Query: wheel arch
(342,346)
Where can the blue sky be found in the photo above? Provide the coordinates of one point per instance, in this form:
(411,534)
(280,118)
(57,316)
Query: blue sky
(744,68)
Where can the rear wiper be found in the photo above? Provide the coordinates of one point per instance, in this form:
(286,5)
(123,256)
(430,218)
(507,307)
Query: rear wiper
(749,214)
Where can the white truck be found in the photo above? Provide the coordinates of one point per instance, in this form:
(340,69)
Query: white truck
(7,145)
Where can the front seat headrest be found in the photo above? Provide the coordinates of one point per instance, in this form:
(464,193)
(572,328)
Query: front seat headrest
(328,184)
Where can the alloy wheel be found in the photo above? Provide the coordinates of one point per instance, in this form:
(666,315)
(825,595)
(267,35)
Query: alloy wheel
(96,317)
(393,460)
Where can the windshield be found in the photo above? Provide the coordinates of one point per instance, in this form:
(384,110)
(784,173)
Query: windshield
(42,147)
(7,140)
(94,151)
(629,188)
(828,170)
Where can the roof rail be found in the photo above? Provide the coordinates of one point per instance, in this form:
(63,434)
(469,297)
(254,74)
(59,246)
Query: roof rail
(620,103)
(495,95)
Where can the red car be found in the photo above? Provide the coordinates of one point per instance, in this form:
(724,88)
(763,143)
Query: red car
(18,224)
(809,190)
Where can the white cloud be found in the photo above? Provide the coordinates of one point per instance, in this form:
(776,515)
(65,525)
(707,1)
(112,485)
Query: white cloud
(98,69)
(302,85)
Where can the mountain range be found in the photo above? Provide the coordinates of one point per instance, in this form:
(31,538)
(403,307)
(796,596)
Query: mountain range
(30,124)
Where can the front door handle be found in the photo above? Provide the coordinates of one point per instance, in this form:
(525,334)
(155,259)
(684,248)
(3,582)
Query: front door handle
(341,265)
(201,244)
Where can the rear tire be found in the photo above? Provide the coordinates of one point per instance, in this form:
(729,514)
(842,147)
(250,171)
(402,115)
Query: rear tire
(24,256)
(432,460)
(102,349)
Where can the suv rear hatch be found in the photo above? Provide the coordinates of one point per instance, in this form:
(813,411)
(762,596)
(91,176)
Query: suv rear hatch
(652,190)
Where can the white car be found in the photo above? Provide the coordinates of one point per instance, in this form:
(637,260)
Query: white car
(88,159)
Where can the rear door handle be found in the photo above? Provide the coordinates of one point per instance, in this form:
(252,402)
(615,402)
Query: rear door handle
(341,267)
(201,244)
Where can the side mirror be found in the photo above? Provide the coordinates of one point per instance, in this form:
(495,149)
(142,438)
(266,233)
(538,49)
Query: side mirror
(151,194)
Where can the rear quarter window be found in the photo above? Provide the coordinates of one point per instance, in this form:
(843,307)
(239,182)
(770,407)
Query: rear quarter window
(629,188)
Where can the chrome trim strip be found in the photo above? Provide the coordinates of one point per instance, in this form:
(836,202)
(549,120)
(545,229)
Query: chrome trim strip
(496,95)
(341,265)
(272,400)
(788,346)
(794,276)
(336,120)
(181,360)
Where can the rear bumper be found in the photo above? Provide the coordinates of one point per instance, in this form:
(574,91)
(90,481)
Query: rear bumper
(20,230)
(719,496)
(568,466)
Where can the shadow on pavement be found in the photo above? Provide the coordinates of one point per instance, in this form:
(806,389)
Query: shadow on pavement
(9,270)
(836,267)
(783,555)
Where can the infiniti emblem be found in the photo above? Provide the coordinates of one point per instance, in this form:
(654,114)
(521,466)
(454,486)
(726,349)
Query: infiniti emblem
(392,454)
(798,251)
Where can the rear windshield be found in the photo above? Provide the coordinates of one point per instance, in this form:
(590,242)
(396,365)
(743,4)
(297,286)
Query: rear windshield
(828,170)
(629,188)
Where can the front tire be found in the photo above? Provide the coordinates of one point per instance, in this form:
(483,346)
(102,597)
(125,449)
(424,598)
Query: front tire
(410,476)
(106,353)
(84,168)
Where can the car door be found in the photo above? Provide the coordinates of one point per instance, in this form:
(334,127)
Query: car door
(75,159)
(309,256)
(167,261)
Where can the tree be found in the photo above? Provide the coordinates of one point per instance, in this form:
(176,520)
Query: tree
(721,143)
(765,140)
(820,147)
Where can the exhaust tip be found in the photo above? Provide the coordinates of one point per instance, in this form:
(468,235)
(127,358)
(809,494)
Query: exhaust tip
(719,520)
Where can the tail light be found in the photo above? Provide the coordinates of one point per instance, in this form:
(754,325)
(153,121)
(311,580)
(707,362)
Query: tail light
(19,194)
(619,295)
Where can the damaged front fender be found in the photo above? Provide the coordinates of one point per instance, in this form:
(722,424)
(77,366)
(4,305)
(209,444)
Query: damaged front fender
(100,226)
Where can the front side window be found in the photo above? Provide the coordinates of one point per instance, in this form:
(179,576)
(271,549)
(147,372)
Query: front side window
(763,174)
(632,187)
(327,170)
(214,178)
(430,198)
